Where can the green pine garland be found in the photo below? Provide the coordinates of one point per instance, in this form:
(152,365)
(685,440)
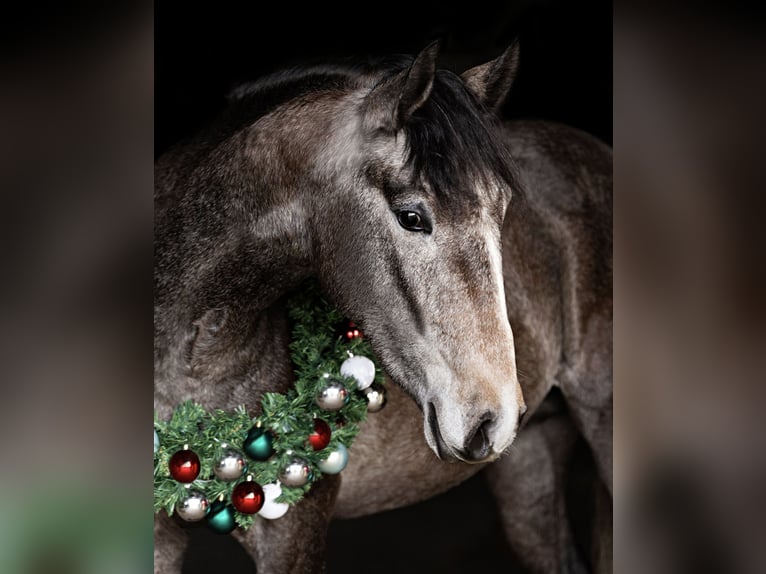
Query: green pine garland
(316,350)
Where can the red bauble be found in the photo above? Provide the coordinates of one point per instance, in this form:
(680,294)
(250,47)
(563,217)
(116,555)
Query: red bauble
(352,331)
(320,438)
(184,466)
(247,497)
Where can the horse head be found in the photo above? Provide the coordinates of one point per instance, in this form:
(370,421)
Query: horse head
(406,239)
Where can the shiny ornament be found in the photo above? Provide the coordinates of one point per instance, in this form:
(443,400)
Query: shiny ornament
(376,398)
(247,497)
(220,518)
(333,396)
(184,466)
(193,507)
(272,509)
(259,443)
(231,465)
(320,438)
(336,461)
(360,368)
(156,442)
(296,472)
(351,331)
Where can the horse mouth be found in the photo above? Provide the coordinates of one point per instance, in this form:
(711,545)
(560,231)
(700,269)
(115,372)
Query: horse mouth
(442,450)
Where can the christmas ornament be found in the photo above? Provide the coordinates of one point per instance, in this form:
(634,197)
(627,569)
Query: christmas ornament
(247,497)
(259,444)
(231,465)
(220,518)
(193,506)
(320,438)
(351,331)
(360,368)
(281,445)
(184,465)
(335,461)
(296,472)
(376,398)
(333,396)
(272,509)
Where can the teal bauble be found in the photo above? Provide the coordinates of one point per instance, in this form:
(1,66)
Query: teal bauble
(259,444)
(220,519)
(335,461)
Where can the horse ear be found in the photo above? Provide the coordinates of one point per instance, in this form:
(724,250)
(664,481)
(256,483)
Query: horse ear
(393,101)
(491,82)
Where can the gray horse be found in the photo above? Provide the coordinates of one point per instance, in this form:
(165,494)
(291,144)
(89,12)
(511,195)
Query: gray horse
(390,183)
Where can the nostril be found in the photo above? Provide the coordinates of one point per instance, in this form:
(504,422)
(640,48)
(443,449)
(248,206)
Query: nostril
(478,446)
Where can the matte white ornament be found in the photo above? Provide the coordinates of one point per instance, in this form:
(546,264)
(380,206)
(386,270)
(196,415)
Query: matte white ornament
(272,510)
(361,368)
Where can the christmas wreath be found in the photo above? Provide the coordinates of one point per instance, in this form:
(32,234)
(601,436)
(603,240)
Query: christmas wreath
(228,467)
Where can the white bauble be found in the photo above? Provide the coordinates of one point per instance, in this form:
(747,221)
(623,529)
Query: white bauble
(361,368)
(271,509)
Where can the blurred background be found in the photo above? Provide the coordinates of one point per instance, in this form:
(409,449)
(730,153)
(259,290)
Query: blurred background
(77,147)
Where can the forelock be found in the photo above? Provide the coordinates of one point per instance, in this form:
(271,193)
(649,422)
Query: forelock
(453,143)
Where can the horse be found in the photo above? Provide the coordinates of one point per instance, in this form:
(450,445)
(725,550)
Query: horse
(389,184)
(557,271)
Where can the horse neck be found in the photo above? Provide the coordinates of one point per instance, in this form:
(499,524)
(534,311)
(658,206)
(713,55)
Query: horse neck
(231,242)
(239,212)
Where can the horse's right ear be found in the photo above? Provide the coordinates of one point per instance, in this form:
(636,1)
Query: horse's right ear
(391,103)
(491,82)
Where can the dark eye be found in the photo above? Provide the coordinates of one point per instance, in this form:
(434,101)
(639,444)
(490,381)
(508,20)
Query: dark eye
(411,221)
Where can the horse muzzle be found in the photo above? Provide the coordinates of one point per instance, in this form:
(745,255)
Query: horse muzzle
(478,446)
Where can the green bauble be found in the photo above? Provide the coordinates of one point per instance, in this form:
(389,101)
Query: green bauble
(220,519)
(259,444)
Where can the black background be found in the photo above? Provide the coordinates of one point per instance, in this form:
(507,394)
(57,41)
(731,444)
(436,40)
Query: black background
(565,75)
(566,51)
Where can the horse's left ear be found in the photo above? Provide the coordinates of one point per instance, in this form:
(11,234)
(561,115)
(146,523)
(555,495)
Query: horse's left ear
(492,81)
(391,103)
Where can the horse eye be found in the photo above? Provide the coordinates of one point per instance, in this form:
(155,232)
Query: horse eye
(411,221)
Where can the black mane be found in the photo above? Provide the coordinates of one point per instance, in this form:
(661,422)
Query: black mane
(453,140)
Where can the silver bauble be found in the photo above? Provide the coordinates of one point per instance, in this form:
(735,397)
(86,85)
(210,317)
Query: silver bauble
(193,507)
(335,461)
(231,465)
(376,398)
(296,472)
(333,396)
